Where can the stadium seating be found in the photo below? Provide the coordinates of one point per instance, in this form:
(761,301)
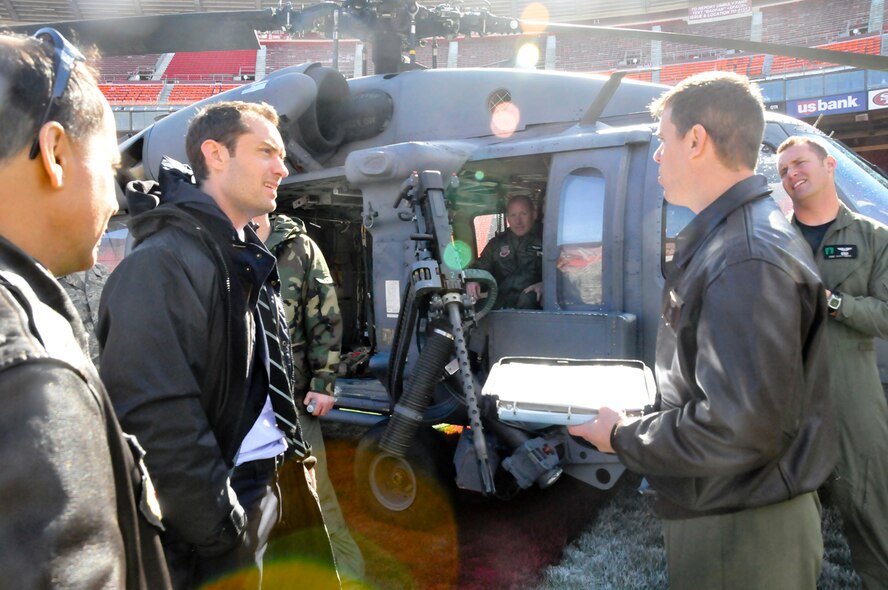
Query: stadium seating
(122,68)
(189,93)
(870,45)
(282,53)
(211,65)
(131,94)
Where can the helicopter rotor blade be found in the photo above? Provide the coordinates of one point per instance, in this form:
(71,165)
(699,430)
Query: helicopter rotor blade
(209,31)
(845,58)
(193,31)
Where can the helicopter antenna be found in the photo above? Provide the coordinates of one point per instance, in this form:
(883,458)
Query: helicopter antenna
(602,99)
(336,39)
(411,37)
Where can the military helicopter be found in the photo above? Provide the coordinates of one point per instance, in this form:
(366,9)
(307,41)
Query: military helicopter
(392,172)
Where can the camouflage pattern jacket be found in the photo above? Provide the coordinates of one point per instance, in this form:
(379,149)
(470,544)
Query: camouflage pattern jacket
(84,288)
(309,295)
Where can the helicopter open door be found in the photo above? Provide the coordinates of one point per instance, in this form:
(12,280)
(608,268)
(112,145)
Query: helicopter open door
(591,216)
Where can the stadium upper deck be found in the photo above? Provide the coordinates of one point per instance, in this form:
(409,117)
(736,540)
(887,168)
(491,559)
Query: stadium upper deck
(822,23)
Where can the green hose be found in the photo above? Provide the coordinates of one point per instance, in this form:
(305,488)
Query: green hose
(485,278)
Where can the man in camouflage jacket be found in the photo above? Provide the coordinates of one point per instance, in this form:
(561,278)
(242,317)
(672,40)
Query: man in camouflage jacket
(315,327)
(84,288)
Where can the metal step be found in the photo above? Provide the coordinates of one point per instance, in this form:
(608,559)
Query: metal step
(367,395)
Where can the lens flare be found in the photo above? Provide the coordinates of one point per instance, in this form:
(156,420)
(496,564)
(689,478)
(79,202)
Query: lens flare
(528,56)
(457,255)
(505,119)
(534,18)
(479,175)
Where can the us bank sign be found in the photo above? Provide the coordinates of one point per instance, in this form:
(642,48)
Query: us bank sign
(828,105)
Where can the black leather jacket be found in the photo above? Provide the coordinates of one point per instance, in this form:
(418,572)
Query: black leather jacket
(742,366)
(70,487)
(176,334)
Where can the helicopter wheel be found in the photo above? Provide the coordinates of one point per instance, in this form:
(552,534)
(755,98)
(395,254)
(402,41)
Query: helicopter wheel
(408,491)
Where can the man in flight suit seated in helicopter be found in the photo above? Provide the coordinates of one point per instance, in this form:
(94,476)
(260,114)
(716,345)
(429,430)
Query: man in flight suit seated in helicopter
(514,258)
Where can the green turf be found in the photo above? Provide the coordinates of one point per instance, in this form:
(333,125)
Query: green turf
(623,549)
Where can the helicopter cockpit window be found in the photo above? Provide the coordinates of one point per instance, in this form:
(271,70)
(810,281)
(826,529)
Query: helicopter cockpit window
(580,230)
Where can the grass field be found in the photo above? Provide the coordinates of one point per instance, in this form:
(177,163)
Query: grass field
(623,550)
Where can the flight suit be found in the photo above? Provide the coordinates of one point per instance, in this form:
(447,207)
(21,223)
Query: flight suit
(515,263)
(853,260)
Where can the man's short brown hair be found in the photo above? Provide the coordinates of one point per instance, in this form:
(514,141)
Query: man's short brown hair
(727,105)
(224,123)
(811,142)
(26,77)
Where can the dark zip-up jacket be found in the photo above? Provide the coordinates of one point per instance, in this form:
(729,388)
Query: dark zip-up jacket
(177,327)
(744,416)
(70,484)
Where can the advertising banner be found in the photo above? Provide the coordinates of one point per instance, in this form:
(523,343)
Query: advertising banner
(851,102)
(878,99)
(719,11)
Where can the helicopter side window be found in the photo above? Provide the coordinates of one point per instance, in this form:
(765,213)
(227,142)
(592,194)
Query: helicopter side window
(580,229)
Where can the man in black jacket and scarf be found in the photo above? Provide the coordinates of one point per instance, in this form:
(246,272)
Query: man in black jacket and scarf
(186,352)
(743,435)
(76,510)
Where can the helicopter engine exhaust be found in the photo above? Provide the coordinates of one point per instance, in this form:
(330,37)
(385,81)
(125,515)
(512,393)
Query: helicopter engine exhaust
(320,127)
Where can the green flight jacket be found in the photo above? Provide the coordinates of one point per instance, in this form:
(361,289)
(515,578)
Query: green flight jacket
(311,306)
(860,274)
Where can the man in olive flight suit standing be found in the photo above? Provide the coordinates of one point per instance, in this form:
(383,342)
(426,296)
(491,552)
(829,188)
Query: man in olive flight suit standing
(851,252)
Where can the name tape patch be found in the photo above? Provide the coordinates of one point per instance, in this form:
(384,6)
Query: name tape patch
(835,251)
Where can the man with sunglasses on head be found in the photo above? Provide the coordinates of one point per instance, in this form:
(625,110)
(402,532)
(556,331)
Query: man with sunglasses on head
(77,509)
